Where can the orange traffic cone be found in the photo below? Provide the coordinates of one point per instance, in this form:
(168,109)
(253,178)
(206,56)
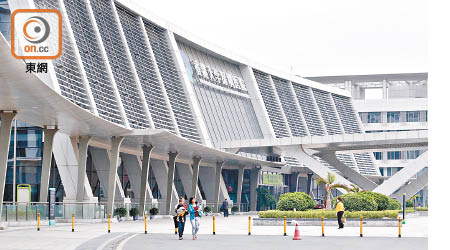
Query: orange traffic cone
(297,233)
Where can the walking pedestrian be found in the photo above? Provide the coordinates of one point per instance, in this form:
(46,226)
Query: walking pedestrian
(340,212)
(195,213)
(181,212)
(225,208)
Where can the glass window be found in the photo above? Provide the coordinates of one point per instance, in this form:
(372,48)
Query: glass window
(389,171)
(394,155)
(412,154)
(393,117)
(382,171)
(374,117)
(412,116)
(378,155)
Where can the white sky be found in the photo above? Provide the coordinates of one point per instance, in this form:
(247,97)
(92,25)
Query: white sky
(314,37)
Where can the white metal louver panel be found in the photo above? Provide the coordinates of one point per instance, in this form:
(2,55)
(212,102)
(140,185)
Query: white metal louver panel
(327,112)
(310,114)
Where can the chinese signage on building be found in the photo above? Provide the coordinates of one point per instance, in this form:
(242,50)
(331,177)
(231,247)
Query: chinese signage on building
(272,179)
(218,77)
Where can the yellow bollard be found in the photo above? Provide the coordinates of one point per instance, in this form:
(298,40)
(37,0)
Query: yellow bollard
(38,221)
(73,222)
(214,225)
(285,234)
(399,227)
(145,223)
(360,226)
(323,231)
(249,225)
(109,223)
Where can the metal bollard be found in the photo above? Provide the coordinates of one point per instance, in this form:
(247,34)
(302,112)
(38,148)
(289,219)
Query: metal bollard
(214,225)
(285,234)
(399,227)
(109,223)
(323,231)
(249,225)
(73,222)
(145,223)
(360,226)
(38,221)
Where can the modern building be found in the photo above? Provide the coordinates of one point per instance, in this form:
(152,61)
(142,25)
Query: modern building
(136,110)
(389,102)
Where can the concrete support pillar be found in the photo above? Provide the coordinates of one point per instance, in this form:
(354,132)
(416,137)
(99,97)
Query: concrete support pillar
(239,187)
(254,175)
(146,151)
(49,134)
(116,141)
(170,177)
(195,169)
(82,158)
(5,134)
(219,166)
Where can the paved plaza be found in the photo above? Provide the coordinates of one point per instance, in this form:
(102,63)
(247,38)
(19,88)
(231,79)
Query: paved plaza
(231,233)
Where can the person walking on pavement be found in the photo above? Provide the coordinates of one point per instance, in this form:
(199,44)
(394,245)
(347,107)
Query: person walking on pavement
(195,213)
(181,212)
(225,208)
(340,212)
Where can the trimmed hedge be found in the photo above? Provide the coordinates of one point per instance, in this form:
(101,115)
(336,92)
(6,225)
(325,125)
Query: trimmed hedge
(298,200)
(409,203)
(381,199)
(318,213)
(394,205)
(357,202)
(421,208)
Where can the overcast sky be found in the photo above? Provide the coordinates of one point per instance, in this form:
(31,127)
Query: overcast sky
(310,37)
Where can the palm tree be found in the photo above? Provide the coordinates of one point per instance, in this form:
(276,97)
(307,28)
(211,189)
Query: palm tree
(329,186)
(355,189)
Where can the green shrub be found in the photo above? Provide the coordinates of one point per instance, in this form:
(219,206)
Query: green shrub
(381,199)
(357,202)
(134,211)
(121,211)
(298,200)
(318,213)
(409,203)
(154,211)
(235,209)
(421,208)
(207,209)
(394,204)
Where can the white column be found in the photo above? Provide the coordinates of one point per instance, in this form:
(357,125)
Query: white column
(82,158)
(146,151)
(49,134)
(113,161)
(219,166)
(170,177)
(385,93)
(195,170)
(254,175)
(5,134)
(239,187)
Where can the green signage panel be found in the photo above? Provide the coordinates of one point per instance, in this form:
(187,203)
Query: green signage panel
(273,179)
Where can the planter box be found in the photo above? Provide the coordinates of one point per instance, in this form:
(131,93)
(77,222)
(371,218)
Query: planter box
(327,222)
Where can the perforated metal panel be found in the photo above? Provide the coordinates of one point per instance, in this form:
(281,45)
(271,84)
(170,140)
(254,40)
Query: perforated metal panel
(120,64)
(347,160)
(172,83)
(327,112)
(365,164)
(347,114)
(228,114)
(145,68)
(310,114)
(93,62)
(66,67)
(293,115)
(272,106)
